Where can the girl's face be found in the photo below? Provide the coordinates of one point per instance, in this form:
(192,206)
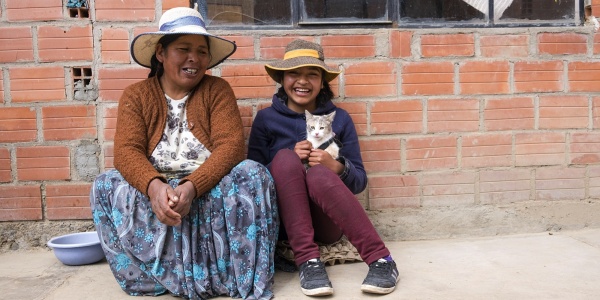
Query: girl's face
(184,61)
(302,85)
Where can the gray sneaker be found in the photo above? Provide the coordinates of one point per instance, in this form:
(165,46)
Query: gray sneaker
(314,280)
(382,277)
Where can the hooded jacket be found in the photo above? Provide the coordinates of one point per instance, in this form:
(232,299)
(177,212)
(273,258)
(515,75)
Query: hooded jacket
(278,127)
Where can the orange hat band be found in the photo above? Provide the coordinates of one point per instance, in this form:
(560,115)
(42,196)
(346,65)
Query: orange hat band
(301,52)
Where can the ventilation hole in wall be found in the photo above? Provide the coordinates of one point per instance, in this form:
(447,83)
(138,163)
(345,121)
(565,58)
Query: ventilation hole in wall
(83,89)
(78,9)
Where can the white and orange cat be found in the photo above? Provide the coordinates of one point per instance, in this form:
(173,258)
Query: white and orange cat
(319,132)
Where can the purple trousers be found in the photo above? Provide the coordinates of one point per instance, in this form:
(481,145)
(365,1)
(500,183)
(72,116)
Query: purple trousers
(316,205)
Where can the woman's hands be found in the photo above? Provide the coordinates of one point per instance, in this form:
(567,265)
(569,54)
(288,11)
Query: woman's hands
(170,205)
(314,157)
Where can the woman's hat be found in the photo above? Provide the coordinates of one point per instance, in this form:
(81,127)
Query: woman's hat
(301,53)
(179,20)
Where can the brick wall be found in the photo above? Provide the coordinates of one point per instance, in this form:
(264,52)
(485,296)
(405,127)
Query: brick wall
(448,119)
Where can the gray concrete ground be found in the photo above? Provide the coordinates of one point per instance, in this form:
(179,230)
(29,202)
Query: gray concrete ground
(559,265)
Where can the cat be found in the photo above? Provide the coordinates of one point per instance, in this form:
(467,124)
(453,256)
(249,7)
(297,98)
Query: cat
(319,132)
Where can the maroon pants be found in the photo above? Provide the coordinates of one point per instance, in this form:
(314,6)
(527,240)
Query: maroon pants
(316,205)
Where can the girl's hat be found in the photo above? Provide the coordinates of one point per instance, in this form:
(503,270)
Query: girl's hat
(301,53)
(180,20)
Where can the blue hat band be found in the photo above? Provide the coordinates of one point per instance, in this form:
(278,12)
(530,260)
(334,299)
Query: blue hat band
(183,21)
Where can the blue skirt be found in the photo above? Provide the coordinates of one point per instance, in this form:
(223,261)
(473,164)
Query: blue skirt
(224,246)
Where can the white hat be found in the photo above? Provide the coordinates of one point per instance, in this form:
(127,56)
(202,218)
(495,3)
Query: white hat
(180,20)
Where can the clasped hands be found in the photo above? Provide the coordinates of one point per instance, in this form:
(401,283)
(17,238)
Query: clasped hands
(171,204)
(305,151)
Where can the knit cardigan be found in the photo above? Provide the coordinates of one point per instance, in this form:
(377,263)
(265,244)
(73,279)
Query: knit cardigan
(213,118)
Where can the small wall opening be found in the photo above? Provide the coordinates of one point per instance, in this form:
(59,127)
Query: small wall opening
(78,9)
(83,88)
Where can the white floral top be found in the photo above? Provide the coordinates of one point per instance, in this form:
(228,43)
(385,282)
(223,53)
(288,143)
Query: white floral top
(178,153)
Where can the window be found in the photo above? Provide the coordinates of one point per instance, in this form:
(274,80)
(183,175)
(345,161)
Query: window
(409,13)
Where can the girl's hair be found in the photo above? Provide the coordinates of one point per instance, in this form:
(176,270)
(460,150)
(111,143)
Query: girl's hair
(156,67)
(325,94)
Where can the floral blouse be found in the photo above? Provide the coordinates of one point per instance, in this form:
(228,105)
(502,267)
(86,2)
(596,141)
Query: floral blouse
(178,153)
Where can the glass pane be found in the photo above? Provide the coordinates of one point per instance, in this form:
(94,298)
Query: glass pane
(352,9)
(443,10)
(539,10)
(249,12)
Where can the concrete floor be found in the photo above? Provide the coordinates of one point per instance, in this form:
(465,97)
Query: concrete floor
(561,265)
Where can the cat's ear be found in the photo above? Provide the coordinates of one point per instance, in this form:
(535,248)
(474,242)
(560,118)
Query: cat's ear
(331,116)
(308,114)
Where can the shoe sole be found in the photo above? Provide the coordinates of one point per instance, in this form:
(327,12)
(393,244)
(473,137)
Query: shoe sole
(324,291)
(378,290)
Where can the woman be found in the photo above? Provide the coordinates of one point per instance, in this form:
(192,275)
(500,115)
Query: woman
(182,213)
(318,203)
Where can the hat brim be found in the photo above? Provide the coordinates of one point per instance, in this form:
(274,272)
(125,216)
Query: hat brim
(143,47)
(274,69)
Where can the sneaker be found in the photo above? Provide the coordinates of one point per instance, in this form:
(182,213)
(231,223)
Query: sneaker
(313,278)
(382,277)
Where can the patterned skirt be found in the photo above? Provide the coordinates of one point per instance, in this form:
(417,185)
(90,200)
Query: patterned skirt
(224,246)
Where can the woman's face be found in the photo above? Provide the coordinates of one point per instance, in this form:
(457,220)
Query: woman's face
(302,85)
(184,62)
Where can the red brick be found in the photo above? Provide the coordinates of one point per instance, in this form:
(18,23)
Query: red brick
(487,150)
(110,123)
(400,43)
(447,45)
(540,76)
(59,44)
(563,112)
(594,181)
(16,44)
(560,184)
(273,47)
(348,46)
(483,77)
(34,10)
(358,113)
(5,167)
(452,115)
(249,80)
(596,112)
(17,124)
(430,153)
(43,163)
(112,82)
(562,43)
(370,79)
(115,45)
(1,85)
(393,192)
(597,43)
(504,186)
(168,4)
(246,111)
(404,116)
(584,148)
(108,151)
(117,10)
(504,45)
(381,155)
(509,114)
(33,84)
(20,203)
(69,122)
(68,202)
(536,149)
(428,78)
(448,189)
(584,76)
(245,46)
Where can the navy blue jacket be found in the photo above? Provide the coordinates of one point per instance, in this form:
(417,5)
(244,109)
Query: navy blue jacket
(279,127)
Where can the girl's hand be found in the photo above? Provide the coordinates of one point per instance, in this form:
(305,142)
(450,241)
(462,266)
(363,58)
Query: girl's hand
(318,156)
(160,194)
(303,149)
(185,194)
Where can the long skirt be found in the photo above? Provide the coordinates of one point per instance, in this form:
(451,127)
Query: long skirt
(224,246)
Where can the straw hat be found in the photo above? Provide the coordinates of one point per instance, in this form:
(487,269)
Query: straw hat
(179,20)
(301,53)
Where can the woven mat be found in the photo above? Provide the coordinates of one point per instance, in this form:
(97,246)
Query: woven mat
(339,252)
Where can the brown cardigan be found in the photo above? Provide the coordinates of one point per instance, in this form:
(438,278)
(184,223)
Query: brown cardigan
(213,118)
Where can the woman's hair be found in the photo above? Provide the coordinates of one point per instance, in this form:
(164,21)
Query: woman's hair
(325,94)
(156,67)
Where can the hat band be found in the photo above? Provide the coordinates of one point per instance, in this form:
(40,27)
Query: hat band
(301,52)
(183,21)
